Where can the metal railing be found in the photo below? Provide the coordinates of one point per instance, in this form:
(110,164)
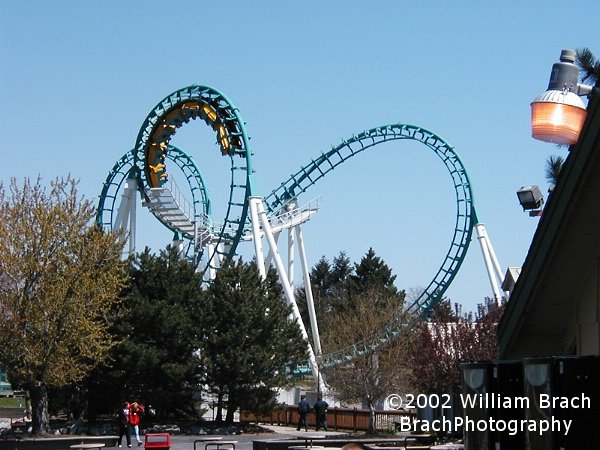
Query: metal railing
(291,215)
(181,201)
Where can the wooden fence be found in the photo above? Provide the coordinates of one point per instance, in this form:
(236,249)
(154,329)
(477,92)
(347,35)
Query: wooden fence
(337,418)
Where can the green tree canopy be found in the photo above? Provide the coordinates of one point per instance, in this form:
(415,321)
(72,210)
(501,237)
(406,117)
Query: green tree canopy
(589,66)
(249,342)
(372,273)
(554,165)
(60,277)
(337,287)
(329,283)
(157,361)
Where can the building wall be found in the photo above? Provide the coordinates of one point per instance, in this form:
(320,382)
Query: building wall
(588,315)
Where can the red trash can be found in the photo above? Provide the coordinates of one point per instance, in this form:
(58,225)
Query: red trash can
(157,440)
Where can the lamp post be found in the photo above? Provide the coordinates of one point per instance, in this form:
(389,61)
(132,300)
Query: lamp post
(557,114)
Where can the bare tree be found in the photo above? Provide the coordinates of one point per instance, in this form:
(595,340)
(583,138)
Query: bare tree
(370,377)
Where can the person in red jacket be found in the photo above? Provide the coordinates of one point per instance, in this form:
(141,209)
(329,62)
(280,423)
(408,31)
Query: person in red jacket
(135,411)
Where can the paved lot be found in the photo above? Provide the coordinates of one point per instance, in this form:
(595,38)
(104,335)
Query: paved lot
(187,442)
(244,441)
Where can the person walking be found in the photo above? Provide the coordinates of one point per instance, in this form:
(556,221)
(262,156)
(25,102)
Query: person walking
(303,409)
(135,411)
(123,423)
(320,408)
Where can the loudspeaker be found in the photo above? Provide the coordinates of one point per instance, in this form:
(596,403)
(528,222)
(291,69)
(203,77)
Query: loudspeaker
(560,389)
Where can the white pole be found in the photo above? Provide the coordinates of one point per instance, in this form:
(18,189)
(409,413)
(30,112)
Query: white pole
(212,274)
(308,290)
(287,288)
(258,249)
(124,212)
(499,272)
(219,256)
(269,259)
(290,271)
(132,224)
(481,236)
(121,221)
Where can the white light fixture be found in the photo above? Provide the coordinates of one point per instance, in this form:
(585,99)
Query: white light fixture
(557,115)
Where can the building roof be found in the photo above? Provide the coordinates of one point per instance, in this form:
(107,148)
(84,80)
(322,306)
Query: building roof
(564,253)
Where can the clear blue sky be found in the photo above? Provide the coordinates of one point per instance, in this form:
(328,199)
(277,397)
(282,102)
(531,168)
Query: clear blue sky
(78,78)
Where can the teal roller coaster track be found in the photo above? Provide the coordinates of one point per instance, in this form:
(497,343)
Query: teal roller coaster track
(211,106)
(466,217)
(147,163)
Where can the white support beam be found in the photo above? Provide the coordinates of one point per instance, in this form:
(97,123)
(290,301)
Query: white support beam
(258,249)
(269,259)
(492,266)
(290,269)
(125,219)
(308,290)
(258,212)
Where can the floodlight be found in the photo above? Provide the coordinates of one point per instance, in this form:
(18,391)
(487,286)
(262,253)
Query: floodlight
(530,197)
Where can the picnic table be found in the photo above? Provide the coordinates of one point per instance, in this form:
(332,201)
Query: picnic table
(89,445)
(309,438)
(218,444)
(205,439)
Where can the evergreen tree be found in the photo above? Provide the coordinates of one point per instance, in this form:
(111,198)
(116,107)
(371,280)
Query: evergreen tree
(340,273)
(372,273)
(320,279)
(589,66)
(363,303)
(554,165)
(157,361)
(249,342)
(329,284)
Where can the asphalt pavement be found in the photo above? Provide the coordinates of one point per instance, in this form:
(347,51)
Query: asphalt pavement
(244,441)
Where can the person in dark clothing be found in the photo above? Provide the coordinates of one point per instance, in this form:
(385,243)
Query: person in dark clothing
(321,413)
(123,422)
(303,409)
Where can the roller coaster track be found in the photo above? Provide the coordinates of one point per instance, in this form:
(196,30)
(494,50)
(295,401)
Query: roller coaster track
(125,169)
(147,165)
(466,216)
(212,107)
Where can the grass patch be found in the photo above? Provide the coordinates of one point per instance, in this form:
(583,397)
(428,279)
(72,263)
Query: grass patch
(11,402)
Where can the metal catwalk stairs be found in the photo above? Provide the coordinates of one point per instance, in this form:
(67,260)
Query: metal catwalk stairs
(171,208)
